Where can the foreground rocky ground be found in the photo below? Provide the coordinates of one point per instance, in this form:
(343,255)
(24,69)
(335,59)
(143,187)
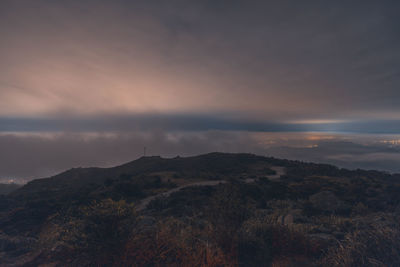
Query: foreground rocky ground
(211,210)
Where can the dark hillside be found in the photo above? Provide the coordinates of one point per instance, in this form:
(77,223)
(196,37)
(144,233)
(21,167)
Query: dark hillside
(216,209)
(8,188)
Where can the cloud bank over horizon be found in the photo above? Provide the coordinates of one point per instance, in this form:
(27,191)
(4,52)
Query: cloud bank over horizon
(190,122)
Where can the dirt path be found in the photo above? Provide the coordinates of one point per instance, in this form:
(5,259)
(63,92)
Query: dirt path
(145,202)
(279,172)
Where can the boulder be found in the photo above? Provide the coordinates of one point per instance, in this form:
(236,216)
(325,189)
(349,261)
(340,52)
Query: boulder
(326,201)
(285,219)
(292,216)
(323,239)
(339,235)
(288,219)
(145,222)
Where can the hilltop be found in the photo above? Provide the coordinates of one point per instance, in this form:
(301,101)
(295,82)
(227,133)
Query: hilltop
(228,209)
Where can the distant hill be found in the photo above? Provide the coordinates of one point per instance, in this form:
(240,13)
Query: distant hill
(210,166)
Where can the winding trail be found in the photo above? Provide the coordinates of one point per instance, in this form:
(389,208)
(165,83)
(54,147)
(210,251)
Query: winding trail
(145,202)
(279,172)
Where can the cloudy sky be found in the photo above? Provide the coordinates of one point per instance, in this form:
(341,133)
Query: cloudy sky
(179,75)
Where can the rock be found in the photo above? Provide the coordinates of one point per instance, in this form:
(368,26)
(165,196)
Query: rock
(58,247)
(288,219)
(8,243)
(298,215)
(262,213)
(285,219)
(146,221)
(16,250)
(323,239)
(321,236)
(281,219)
(292,262)
(339,235)
(292,216)
(326,201)
(323,229)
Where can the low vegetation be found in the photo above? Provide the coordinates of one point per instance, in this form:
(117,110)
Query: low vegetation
(314,215)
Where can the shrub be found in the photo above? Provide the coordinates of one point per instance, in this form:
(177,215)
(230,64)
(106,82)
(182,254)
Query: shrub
(375,245)
(226,213)
(98,230)
(262,244)
(173,243)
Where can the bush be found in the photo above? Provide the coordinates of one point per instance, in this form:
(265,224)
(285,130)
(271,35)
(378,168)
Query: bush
(375,245)
(98,230)
(173,243)
(227,211)
(262,244)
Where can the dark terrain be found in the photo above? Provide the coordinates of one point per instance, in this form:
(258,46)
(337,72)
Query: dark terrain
(8,188)
(210,210)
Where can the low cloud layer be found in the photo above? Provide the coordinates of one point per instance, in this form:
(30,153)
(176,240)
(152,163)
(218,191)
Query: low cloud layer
(25,156)
(189,122)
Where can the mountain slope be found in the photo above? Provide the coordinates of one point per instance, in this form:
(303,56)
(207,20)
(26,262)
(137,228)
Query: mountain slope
(163,211)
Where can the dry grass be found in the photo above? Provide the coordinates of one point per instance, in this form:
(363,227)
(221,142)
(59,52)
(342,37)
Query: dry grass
(374,245)
(279,244)
(340,223)
(174,243)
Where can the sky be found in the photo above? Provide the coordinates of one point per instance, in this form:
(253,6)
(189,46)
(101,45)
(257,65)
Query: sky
(76,76)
